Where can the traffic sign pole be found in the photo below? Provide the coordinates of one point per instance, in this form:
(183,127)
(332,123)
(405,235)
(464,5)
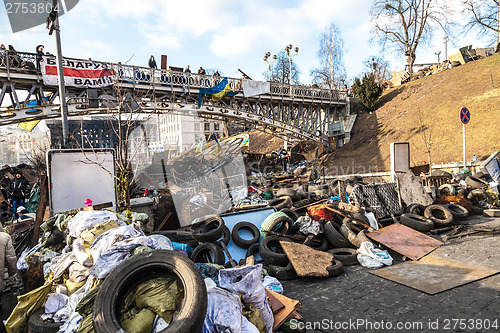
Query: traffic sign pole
(465,163)
(464,117)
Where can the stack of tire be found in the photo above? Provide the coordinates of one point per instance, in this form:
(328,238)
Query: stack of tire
(481,198)
(208,233)
(435,216)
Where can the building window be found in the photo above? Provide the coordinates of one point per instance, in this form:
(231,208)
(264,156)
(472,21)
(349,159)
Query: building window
(196,127)
(216,126)
(207,127)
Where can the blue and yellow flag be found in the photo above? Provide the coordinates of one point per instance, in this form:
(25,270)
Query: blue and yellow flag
(246,143)
(199,148)
(220,90)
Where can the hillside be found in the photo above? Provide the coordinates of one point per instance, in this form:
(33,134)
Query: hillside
(428,107)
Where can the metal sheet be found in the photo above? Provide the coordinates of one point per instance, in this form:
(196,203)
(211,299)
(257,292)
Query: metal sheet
(404,240)
(433,274)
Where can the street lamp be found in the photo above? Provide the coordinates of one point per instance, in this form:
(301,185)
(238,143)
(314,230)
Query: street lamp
(438,54)
(269,63)
(288,50)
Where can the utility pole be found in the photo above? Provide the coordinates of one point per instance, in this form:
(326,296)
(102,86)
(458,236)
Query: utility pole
(53,25)
(498,24)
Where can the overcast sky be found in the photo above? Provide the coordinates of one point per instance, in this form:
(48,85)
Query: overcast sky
(220,34)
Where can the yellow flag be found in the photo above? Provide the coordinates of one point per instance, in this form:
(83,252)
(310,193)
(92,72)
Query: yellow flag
(29,125)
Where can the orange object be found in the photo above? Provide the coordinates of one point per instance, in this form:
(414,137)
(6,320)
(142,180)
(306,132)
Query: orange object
(317,212)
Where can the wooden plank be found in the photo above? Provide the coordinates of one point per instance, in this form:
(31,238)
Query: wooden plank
(291,306)
(307,261)
(40,211)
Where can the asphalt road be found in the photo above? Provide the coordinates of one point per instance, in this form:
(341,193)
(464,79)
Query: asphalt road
(358,301)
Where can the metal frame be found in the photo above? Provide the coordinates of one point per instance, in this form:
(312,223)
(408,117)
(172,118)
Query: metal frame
(301,112)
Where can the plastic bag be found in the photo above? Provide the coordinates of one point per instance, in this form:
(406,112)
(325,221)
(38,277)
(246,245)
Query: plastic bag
(372,220)
(84,220)
(55,302)
(273,284)
(245,281)
(224,312)
(308,226)
(109,260)
(164,242)
(367,249)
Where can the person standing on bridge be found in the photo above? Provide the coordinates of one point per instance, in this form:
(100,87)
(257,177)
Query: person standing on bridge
(39,55)
(187,70)
(18,191)
(152,63)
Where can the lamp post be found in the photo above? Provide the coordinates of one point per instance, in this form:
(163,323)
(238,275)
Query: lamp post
(288,50)
(269,63)
(438,54)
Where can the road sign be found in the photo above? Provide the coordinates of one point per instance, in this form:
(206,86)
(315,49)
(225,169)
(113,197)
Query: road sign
(464,115)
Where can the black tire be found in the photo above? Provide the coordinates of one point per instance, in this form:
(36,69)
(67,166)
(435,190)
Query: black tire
(254,248)
(245,243)
(323,245)
(334,237)
(144,266)
(477,210)
(478,174)
(415,209)
(360,217)
(301,203)
(284,221)
(478,195)
(441,173)
(281,202)
(209,230)
(281,273)
(291,214)
(226,237)
(270,256)
(347,256)
(439,214)
(417,222)
(475,182)
(37,325)
(286,192)
(208,253)
(459,212)
(335,269)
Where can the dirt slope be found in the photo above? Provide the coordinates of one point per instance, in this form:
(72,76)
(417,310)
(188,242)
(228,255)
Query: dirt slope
(428,107)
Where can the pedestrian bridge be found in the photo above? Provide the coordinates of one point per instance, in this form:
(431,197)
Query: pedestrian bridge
(292,111)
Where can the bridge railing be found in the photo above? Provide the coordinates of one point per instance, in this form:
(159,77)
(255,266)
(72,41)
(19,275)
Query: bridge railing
(27,63)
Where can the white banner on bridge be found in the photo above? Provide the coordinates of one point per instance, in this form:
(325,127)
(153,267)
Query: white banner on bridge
(254,88)
(77,73)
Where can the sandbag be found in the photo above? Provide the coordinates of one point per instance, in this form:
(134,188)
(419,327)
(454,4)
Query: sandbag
(138,321)
(26,305)
(245,281)
(224,312)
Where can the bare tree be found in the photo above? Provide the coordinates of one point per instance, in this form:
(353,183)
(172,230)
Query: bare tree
(331,71)
(280,72)
(484,16)
(379,67)
(407,23)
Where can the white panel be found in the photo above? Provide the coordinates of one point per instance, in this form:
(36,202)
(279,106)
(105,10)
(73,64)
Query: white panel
(74,177)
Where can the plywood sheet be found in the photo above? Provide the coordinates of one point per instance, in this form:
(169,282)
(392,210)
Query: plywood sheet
(307,261)
(402,239)
(288,312)
(434,274)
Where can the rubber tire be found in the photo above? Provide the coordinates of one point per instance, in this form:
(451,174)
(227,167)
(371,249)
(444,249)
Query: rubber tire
(301,203)
(286,192)
(417,222)
(269,256)
(252,249)
(347,256)
(281,273)
(335,269)
(245,243)
(226,236)
(218,253)
(324,243)
(459,212)
(273,220)
(37,325)
(478,174)
(475,182)
(415,209)
(281,202)
(334,237)
(145,266)
(442,222)
(478,195)
(203,233)
(291,214)
(360,216)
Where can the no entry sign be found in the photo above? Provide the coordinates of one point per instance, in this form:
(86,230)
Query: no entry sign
(464,115)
